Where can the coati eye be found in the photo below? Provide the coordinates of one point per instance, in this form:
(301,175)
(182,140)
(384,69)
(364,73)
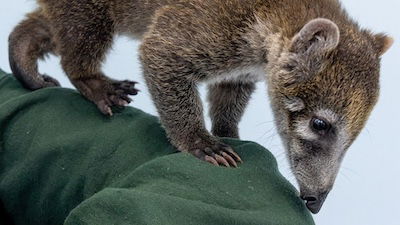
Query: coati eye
(320,125)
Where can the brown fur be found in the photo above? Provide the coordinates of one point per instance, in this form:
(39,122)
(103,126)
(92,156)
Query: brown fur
(312,64)
(31,40)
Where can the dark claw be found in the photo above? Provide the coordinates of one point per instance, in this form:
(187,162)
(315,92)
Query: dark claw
(123,95)
(132,91)
(127,83)
(127,86)
(126,98)
(234,155)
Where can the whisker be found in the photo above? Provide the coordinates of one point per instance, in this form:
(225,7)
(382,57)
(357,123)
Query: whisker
(345,176)
(266,132)
(351,171)
(264,123)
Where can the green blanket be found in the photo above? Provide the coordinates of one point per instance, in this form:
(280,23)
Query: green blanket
(62,162)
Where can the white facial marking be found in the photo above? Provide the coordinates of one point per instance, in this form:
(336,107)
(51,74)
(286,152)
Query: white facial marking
(302,128)
(342,140)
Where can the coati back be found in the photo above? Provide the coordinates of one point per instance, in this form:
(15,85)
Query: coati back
(321,68)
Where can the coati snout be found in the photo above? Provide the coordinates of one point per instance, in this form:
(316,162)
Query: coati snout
(323,88)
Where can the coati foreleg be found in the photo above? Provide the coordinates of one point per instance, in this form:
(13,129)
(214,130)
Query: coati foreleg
(30,41)
(228,101)
(82,47)
(180,111)
(172,84)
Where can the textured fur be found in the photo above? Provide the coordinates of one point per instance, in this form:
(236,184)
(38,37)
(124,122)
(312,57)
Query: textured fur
(315,56)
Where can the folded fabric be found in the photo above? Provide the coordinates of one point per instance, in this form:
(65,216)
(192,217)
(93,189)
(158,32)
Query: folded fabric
(63,162)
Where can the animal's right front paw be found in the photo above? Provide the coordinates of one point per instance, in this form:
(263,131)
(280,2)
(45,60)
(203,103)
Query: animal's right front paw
(106,93)
(217,154)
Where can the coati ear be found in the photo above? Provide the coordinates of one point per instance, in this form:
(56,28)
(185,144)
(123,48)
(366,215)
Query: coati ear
(319,36)
(383,43)
(308,51)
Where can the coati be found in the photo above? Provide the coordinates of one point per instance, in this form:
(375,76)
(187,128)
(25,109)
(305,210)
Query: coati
(321,68)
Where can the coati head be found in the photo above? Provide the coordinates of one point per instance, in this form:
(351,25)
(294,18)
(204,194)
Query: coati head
(323,85)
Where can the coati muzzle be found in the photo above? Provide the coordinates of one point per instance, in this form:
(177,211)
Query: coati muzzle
(314,201)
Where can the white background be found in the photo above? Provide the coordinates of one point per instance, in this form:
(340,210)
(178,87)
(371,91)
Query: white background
(367,189)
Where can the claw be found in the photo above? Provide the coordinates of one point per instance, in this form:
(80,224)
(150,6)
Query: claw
(211,160)
(127,99)
(217,154)
(127,86)
(121,94)
(109,111)
(121,102)
(106,110)
(104,107)
(230,159)
(222,160)
(118,101)
(129,82)
(235,155)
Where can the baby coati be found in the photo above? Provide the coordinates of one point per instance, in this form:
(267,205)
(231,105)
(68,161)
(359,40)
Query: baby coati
(321,68)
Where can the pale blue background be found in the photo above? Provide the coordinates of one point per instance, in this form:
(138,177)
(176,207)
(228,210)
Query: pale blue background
(367,189)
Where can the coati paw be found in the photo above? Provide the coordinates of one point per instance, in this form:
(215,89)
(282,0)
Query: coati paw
(126,87)
(121,91)
(118,95)
(50,82)
(218,154)
(107,93)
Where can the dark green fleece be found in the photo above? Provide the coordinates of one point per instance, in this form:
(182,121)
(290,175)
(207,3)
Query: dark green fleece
(62,162)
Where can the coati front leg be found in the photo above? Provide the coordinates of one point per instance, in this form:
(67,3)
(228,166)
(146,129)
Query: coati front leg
(228,101)
(180,111)
(172,84)
(82,48)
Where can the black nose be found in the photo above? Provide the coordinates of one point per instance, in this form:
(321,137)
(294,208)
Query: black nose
(314,202)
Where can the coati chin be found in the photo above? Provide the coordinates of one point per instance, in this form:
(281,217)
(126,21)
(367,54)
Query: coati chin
(321,68)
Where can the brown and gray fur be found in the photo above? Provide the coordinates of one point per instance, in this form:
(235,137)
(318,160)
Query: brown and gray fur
(317,62)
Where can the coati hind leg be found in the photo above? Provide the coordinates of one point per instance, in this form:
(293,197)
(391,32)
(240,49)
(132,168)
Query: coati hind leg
(228,101)
(82,48)
(30,41)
